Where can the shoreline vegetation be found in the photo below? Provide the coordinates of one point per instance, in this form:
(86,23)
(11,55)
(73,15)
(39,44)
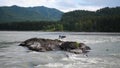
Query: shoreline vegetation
(103,20)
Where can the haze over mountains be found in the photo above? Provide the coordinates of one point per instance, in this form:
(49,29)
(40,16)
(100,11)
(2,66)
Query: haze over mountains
(18,14)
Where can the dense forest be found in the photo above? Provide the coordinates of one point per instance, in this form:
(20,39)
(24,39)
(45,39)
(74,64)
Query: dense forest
(103,20)
(28,26)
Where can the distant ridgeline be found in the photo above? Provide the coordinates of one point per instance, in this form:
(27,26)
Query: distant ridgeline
(19,14)
(103,20)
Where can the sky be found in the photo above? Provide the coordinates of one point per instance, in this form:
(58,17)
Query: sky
(64,5)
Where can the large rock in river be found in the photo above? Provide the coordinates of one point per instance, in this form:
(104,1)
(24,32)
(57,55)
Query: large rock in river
(42,45)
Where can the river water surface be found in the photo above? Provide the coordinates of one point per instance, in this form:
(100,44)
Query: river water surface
(105,51)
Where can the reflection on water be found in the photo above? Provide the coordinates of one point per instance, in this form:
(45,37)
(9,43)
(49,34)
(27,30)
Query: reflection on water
(105,51)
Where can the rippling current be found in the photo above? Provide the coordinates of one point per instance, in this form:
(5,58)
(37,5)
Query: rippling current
(105,51)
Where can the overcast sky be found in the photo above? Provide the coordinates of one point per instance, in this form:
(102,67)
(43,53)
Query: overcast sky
(64,5)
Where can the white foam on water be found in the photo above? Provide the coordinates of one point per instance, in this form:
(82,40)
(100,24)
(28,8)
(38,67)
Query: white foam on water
(89,63)
(69,57)
(115,55)
(51,65)
(81,59)
(82,62)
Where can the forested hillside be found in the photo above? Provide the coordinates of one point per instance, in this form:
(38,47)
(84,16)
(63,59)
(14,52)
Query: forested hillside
(28,26)
(102,20)
(20,14)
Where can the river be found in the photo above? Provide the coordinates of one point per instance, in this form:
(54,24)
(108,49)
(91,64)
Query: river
(105,51)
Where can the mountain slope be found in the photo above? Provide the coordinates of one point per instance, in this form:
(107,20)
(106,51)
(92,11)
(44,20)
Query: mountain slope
(103,20)
(41,13)
(77,15)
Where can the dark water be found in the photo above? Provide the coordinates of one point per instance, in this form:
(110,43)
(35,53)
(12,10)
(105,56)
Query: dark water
(105,51)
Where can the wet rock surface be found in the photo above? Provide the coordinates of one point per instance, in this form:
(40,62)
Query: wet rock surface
(42,45)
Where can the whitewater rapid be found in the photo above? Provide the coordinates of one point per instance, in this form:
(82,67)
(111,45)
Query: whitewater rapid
(105,51)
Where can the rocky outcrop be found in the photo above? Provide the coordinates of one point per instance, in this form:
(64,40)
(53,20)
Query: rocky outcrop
(42,45)
(74,47)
